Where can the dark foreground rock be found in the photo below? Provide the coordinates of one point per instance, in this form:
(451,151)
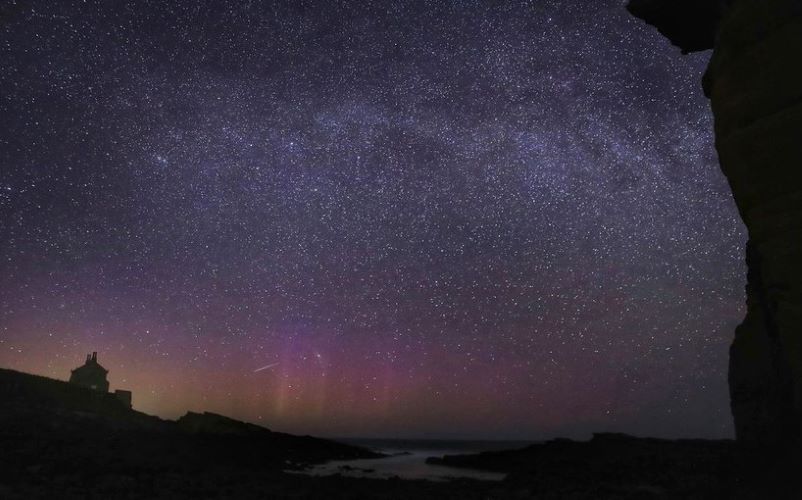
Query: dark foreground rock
(622,466)
(66,442)
(61,441)
(43,415)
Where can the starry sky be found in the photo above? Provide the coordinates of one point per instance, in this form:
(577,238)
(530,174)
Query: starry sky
(451,218)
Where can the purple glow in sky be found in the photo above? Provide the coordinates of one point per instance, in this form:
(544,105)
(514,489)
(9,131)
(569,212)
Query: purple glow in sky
(445,219)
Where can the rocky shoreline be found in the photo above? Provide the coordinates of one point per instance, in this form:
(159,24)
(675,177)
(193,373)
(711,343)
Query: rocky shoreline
(612,465)
(59,441)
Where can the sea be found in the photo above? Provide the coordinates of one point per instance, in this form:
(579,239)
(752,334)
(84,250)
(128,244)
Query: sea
(407,459)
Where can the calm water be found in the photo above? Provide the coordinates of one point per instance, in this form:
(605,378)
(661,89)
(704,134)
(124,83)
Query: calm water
(408,460)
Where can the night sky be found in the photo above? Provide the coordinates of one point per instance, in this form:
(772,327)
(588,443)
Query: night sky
(478,219)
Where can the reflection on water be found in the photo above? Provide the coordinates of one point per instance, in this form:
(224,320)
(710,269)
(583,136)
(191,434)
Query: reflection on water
(406,463)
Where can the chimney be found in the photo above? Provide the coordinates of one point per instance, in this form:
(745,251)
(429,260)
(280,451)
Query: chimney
(88,358)
(94,357)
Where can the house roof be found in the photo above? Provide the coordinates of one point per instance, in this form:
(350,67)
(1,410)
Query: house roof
(91,366)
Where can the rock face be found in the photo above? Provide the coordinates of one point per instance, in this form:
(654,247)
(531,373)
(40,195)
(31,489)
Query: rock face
(754,82)
(208,422)
(61,440)
(615,466)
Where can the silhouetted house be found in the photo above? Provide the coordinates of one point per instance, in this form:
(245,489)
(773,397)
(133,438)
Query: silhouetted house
(91,375)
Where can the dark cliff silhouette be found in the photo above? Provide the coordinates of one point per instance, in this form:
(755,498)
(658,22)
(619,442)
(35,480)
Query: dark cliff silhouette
(614,465)
(754,82)
(62,440)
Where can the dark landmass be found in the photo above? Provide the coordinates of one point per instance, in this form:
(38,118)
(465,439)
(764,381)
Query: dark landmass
(63,441)
(57,414)
(613,465)
(603,448)
(58,440)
